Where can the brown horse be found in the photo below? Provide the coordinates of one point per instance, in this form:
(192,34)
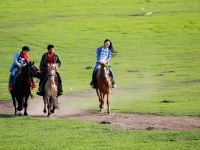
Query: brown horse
(50,97)
(103,86)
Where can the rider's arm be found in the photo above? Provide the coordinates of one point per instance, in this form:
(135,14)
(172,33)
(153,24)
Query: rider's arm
(109,55)
(98,52)
(58,62)
(42,65)
(16,62)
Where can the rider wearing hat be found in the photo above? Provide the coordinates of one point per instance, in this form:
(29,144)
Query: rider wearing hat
(20,60)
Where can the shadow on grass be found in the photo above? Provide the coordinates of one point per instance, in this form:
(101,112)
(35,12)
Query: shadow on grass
(7,116)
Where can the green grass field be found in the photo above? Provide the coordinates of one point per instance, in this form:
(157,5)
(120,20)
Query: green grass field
(36,134)
(158,59)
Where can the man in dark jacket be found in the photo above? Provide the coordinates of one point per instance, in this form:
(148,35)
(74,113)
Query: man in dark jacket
(49,58)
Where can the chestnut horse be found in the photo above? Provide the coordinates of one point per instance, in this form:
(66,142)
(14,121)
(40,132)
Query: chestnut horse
(103,86)
(50,97)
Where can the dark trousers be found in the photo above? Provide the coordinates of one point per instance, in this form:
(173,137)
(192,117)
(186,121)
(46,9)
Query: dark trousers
(94,74)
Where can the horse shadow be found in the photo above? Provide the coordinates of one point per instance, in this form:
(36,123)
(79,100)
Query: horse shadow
(7,116)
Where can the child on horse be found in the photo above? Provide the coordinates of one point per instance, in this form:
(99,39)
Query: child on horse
(20,60)
(103,53)
(49,58)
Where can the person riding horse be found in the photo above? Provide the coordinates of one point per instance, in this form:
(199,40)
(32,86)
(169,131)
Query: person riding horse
(49,58)
(103,53)
(20,60)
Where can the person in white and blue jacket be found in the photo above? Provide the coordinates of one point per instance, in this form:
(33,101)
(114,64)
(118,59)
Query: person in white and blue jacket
(103,53)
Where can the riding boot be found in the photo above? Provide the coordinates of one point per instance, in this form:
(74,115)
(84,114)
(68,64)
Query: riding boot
(112,77)
(40,91)
(113,83)
(93,83)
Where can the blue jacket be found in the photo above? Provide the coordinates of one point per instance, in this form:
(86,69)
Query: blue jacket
(103,54)
(16,63)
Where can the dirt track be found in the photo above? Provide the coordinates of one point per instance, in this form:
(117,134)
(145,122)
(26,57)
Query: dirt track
(117,120)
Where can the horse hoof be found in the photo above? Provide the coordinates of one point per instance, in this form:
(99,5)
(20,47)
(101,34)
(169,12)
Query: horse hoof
(109,112)
(44,111)
(19,114)
(26,114)
(52,111)
(101,110)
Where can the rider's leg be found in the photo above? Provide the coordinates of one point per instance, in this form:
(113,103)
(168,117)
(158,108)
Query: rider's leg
(41,84)
(94,75)
(12,78)
(60,91)
(11,82)
(112,76)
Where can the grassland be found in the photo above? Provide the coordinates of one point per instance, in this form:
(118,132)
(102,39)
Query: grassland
(36,134)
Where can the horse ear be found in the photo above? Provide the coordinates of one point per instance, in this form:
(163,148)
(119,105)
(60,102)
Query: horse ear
(31,62)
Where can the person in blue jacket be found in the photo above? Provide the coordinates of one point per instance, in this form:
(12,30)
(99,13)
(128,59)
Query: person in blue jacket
(103,53)
(20,59)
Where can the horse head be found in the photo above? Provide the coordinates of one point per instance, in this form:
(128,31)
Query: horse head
(51,72)
(33,70)
(28,70)
(104,70)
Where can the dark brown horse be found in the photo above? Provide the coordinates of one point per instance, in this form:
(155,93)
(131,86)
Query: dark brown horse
(21,88)
(103,86)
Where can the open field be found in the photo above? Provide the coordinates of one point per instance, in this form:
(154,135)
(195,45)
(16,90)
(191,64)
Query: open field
(73,128)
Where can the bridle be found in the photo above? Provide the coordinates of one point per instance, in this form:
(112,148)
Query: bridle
(104,73)
(50,74)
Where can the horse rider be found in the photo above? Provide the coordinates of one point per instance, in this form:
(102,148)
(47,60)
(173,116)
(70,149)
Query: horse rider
(20,60)
(103,54)
(50,57)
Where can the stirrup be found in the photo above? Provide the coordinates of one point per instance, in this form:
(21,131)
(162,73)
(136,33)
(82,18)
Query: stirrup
(114,86)
(40,93)
(59,94)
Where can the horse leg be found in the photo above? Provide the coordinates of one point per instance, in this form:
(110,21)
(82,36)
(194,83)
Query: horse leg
(45,105)
(52,104)
(102,102)
(25,106)
(55,104)
(48,106)
(19,101)
(98,94)
(108,103)
(14,103)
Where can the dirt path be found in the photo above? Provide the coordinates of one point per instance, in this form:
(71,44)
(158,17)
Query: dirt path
(117,120)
